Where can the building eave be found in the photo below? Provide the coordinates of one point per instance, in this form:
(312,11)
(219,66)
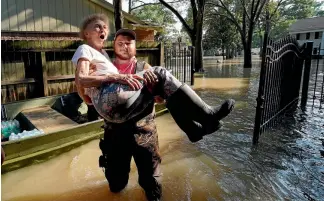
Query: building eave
(146,27)
(313,24)
(305,31)
(110,7)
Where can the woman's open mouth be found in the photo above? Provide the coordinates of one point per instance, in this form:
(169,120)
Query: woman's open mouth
(102,36)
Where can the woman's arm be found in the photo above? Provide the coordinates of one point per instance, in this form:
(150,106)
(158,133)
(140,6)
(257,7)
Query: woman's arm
(86,80)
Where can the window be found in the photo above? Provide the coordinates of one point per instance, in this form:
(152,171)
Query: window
(316,35)
(314,51)
(307,35)
(298,36)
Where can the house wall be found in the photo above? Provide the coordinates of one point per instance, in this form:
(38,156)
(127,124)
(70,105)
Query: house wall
(49,15)
(41,39)
(316,42)
(144,35)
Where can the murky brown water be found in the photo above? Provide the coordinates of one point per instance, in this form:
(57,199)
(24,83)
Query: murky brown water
(187,174)
(223,166)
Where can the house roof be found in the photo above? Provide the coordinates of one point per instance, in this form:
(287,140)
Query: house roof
(134,21)
(308,24)
(146,27)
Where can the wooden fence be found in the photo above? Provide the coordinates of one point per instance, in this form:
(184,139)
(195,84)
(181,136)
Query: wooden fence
(36,68)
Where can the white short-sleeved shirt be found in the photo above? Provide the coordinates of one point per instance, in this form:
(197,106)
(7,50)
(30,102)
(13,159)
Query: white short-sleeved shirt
(101,60)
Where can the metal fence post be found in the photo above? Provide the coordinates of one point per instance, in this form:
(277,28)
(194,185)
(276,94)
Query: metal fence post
(192,70)
(307,64)
(184,64)
(260,98)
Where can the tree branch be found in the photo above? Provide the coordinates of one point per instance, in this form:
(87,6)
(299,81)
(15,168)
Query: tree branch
(260,9)
(230,14)
(252,11)
(194,14)
(244,26)
(239,28)
(245,11)
(147,4)
(214,4)
(142,5)
(201,4)
(278,5)
(184,23)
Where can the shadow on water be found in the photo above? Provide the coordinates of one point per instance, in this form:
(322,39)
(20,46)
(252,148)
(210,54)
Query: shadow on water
(286,165)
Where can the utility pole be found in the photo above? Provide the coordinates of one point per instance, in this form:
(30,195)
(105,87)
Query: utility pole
(129,6)
(118,14)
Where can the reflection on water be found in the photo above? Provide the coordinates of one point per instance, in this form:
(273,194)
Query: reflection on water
(286,165)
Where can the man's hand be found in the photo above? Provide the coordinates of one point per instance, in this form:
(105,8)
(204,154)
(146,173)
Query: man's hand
(128,79)
(150,78)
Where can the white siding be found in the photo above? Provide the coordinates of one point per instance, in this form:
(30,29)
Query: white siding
(74,15)
(22,23)
(12,14)
(302,36)
(316,42)
(4,15)
(38,15)
(312,35)
(51,15)
(48,15)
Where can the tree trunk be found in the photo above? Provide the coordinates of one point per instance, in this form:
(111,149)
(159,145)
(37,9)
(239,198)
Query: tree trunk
(129,6)
(118,14)
(198,54)
(197,41)
(232,52)
(261,44)
(247,56)
(247,48)
(223,53)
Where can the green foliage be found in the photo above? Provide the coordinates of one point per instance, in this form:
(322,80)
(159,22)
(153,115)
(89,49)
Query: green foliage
(256,40)
(284,15)
(281,29)
(158,15)
(189,18)
(319,9)
(297,9)
(220,35)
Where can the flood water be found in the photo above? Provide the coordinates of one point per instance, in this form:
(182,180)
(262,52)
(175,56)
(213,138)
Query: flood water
(286,165)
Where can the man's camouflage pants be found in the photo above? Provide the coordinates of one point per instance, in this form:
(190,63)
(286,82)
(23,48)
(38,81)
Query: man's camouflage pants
(121,142)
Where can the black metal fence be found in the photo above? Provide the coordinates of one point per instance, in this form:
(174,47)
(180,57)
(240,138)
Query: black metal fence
(316,83)
(280,80)
(181,63)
